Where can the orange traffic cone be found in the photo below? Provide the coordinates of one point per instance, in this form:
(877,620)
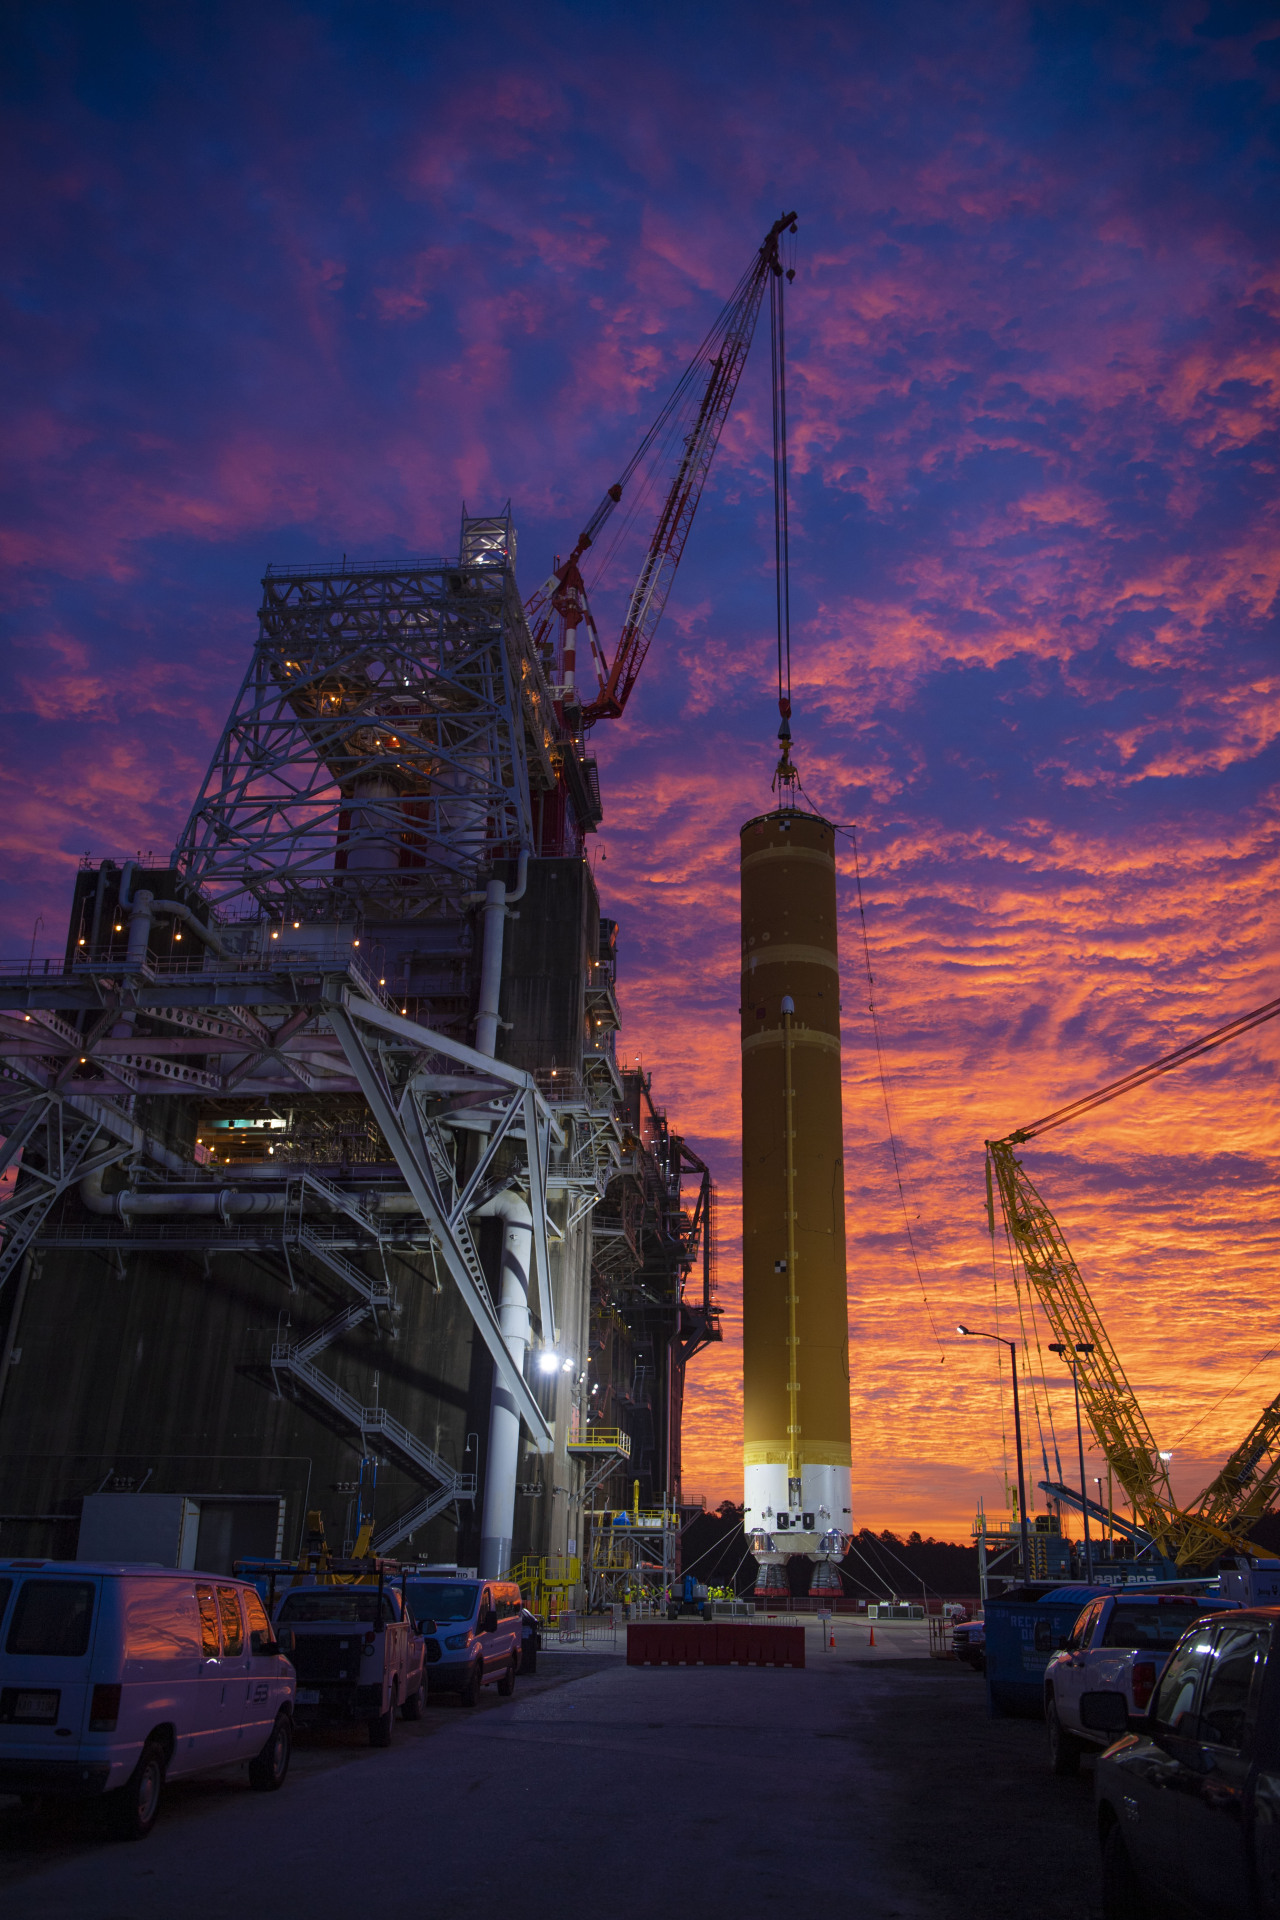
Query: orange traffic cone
(872,1640)
(831,1629)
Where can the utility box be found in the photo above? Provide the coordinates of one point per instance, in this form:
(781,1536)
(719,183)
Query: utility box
(1024,1628)
(1254,1583)
(159,1529)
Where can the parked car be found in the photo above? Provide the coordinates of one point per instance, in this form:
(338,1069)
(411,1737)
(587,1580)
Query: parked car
(114,1679)
(969,1642)
(530,1640)
(358,1654)
(478,1636)
(1188,1799)
(1119,1644)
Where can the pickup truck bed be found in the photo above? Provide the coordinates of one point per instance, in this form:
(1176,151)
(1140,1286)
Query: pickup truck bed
(1119,1644)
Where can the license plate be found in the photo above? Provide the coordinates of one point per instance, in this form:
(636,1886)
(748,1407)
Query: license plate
(36,1706)
(308,1696)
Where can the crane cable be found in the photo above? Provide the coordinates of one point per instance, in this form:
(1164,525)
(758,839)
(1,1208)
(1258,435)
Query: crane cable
(781,524)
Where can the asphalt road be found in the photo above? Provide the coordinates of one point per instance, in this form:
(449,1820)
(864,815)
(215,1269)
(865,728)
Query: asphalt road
(871,1779)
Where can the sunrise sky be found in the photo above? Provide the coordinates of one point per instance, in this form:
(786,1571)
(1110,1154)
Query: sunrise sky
(284,281)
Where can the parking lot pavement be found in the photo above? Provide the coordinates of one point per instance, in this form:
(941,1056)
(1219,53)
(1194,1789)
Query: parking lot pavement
(720,1790)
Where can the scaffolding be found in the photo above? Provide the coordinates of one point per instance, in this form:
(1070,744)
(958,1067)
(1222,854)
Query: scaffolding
(632,1556)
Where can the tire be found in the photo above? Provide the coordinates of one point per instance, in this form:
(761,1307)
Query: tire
(267,1772)
(1121,1888)
(382,1725)
(507,1684)
(470,1694)
(415,1704)
(1064,1748)
(132,1808)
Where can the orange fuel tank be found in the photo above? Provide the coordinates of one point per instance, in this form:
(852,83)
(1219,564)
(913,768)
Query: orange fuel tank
(795,1325)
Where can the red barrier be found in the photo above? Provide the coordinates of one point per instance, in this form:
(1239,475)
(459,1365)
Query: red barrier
(687,1643)
(760,1645)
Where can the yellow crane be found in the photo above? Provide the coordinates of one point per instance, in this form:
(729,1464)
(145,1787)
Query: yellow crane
(1247,1484)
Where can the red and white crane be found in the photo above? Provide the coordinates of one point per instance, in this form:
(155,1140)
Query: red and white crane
(689,427)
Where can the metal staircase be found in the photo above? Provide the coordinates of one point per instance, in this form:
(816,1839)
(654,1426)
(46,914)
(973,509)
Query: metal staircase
(291,1369)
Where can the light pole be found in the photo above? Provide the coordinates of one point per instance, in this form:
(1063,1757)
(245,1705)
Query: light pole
(972,1333)
(1082,1346)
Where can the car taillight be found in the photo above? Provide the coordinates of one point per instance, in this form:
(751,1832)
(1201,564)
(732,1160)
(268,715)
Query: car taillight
(1144,1684)
(104,1709)
(370,1642)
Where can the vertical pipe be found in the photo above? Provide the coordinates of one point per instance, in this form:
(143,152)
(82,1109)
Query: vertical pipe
(1084,1490)
(139,928)
(1022,1481)
(497,1525)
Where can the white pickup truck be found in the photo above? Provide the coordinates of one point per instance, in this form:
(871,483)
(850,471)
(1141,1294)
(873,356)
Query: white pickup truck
(1119,1644)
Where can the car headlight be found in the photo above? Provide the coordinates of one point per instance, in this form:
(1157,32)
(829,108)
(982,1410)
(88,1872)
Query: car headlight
(458,1639)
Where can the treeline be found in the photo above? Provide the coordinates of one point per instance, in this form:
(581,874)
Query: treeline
(878,1566)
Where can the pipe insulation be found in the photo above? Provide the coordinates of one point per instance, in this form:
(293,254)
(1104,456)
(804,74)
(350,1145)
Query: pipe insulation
(497,902)
(142,908)
(497,1524)
(215,1202)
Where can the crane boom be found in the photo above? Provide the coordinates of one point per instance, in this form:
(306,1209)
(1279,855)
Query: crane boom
(715,370)
(1248,1483)
(1057,1283)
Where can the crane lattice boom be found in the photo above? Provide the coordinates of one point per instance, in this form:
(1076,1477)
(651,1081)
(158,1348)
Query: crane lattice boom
(1112,1406)
(1247,1485)
(712,376)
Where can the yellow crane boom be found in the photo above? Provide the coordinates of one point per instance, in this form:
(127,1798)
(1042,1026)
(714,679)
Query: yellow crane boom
(1248,1483)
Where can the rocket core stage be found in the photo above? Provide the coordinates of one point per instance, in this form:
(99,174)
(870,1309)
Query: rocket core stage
(795,1325)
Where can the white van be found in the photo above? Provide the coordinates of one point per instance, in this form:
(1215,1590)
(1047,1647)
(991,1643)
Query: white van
(474,1631)
(116,1678)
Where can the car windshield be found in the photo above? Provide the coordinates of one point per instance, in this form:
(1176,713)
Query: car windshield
(337,1605)
(1157,1625)
(443,1599)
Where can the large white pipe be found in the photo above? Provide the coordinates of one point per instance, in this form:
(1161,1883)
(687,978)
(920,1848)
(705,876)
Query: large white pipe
(221,1203)
(496,902)
(142,908)
(211,1202)
(497,1525)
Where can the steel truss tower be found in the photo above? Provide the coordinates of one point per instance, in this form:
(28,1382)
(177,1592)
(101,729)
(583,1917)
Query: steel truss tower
(377,757)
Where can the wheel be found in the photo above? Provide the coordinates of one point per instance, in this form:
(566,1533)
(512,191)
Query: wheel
(268,1770)
(470,1695)
(416,1702)
(381,1725)
(529,1659)
(507,1684)
(1121,1888)
(132,1808)
(1064,1748)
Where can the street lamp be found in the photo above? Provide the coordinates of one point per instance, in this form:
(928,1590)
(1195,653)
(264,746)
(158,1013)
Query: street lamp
(1082,1346)
(973,1333)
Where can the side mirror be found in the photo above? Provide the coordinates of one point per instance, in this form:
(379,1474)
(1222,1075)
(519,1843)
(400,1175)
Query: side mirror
(285,1642)
(426,1626)
(1104,1713)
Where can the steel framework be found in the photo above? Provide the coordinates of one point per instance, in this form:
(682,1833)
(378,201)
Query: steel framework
(379,751)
